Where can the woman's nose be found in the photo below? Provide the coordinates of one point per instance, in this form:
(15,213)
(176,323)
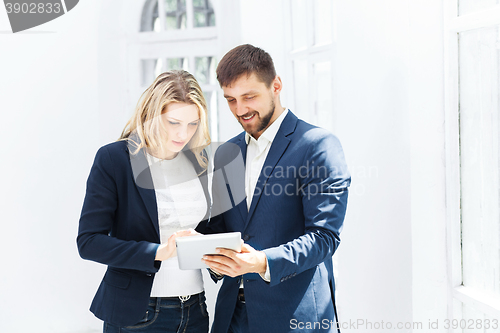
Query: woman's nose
(182,133)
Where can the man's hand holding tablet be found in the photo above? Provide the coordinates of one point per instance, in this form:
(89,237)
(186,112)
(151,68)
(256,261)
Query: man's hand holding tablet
(234,263)
(191,250)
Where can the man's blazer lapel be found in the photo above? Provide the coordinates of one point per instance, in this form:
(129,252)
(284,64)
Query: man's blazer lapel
(278,148)
(242,206)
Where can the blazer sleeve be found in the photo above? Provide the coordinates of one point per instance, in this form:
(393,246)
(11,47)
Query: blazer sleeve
(323,191)
(98,218)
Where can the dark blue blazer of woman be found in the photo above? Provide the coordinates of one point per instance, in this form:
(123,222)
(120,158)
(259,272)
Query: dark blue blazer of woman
(119,228)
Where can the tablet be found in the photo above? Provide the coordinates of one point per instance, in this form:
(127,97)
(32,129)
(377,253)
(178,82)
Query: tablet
(191,249)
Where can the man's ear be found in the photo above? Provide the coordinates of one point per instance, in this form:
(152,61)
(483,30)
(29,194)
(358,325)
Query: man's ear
(277,85)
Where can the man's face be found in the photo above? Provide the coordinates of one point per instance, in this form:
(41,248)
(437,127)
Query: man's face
(252,103)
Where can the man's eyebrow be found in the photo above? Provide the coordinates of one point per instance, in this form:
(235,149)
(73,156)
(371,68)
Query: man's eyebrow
(251,92)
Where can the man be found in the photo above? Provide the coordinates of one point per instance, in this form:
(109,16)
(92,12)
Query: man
(288,199)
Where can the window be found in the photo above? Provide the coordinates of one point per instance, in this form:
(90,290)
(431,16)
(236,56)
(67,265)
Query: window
(175,15)
(203,14)
(176,34)
(470,6)
(472,31)
(310,59)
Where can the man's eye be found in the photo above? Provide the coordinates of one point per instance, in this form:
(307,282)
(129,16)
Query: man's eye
(250,97)
(230,100)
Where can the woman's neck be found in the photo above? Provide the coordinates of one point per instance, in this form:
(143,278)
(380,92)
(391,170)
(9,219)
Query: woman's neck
(163,154)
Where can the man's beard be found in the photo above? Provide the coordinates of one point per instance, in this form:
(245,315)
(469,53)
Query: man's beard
(264,122)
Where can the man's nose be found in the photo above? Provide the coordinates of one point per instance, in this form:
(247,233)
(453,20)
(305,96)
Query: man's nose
(240,109)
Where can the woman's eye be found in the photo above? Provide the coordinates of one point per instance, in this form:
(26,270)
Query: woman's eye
(173,123)
(194,124)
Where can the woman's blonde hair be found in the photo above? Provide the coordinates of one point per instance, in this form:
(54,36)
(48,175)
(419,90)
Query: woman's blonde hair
(176,86)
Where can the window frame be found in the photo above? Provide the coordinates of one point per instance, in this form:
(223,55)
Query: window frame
(453,25)
(312,53)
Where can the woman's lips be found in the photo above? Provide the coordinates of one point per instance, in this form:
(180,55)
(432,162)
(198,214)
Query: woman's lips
(177,143)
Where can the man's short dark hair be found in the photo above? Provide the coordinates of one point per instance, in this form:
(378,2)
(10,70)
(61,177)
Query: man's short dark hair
(246,59)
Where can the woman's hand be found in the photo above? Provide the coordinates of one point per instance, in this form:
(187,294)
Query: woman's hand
(168,249)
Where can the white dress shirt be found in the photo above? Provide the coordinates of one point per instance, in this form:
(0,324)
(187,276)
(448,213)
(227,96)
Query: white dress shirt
(257,151)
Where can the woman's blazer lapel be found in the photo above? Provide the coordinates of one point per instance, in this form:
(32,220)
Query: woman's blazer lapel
(144,183)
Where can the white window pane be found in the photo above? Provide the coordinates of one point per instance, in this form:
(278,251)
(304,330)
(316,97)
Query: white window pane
(469,315)
(150,20)
(177,63)
(468,6)
(200,19)
(299,24)
(322,22)
(474,321)
(203,13)
(211,20)
(479,158)
(157,25)
(150,68)
(176,14)
(300,78)
(205,70)
(323,105)
(170,5)
(211,99)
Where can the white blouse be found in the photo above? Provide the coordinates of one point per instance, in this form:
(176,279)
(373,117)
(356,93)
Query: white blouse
(181,205)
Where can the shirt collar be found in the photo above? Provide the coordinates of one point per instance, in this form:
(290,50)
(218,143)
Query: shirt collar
(270,133)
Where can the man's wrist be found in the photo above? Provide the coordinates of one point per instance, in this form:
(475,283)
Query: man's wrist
(262,262)
(266,274)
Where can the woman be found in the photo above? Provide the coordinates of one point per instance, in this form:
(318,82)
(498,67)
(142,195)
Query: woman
(143,191)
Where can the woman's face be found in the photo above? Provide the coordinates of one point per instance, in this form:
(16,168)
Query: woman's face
(181,121)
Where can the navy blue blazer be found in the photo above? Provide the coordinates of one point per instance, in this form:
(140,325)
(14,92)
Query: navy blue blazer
(119,228)
(296,216)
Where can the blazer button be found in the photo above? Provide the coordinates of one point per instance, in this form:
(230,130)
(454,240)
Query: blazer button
(246,237)
(149,274)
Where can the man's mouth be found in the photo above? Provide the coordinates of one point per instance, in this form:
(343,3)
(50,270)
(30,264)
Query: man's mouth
(248,118)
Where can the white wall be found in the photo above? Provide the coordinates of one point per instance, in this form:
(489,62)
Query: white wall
(49,97)
(390,120)
(375,259)
(427,137)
